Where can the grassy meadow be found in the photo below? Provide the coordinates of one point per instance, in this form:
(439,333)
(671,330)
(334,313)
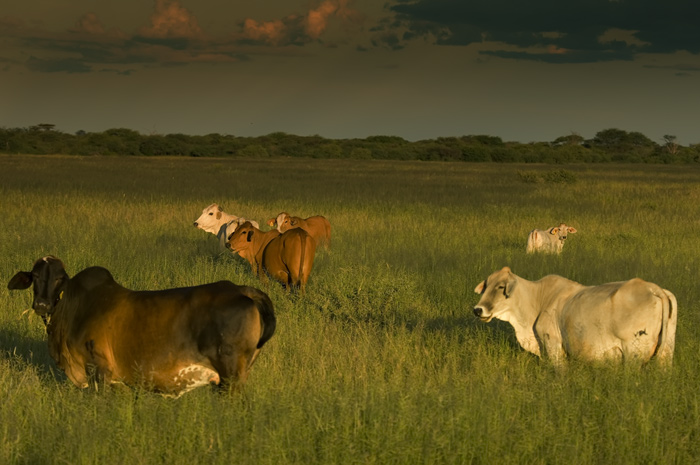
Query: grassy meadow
(382,361)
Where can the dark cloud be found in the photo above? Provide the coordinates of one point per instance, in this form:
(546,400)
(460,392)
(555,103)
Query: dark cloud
(572,30)
(68,65)
(682,68)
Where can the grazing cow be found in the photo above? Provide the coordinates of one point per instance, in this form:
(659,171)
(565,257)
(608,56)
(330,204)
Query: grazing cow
(628,321)
(550,241)
(317,226)
(171,340)
(287,257)
(222,225)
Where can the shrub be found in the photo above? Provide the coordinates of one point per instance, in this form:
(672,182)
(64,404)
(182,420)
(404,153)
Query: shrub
(550,177)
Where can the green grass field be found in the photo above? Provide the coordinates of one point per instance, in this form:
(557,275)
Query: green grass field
(381,362)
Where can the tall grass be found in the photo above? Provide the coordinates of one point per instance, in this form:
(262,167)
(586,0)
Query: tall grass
(381,361)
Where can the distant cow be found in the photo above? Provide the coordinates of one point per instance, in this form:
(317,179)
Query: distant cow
(222,225)
(550,240)
(630,321)
(318,226)
(287,257)
(172,340)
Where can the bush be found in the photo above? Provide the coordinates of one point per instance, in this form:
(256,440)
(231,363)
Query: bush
(550,177)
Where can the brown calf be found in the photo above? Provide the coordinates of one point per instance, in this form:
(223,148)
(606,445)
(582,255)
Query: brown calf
(287,257)
(317,226)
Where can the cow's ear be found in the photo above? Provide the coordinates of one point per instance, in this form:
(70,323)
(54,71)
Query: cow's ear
(22,280)
(572,230)
(218,215)
(293,221)
(479,289)
(271,222)
(510,286)
(250,235)
(553,231)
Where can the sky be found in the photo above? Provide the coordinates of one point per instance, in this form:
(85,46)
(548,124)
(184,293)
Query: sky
(522,70)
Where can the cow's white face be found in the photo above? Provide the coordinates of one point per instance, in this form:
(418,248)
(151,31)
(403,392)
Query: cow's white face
(281,223)
(210,219)
(495,293)
(561,232)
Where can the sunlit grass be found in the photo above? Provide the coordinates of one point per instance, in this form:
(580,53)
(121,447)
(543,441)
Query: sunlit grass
(381,361)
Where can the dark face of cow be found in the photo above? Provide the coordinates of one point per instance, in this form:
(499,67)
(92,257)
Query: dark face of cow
(49,278)
(495,292)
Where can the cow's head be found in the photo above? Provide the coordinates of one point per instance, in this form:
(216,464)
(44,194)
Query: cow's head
(561,232)
(49,278)
(280,222)
(495,292)
(242,238)
(210,219)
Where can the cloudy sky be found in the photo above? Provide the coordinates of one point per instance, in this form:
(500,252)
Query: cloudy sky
(523,70)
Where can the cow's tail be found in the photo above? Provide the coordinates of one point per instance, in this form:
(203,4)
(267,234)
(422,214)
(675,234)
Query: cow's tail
(669,315)
(302,237)
(531,246)
(327,243)
(267,314)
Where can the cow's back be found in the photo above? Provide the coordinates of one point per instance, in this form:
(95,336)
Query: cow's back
(542,241)
(319,228)
(620,320)
(289,257)
(173,339)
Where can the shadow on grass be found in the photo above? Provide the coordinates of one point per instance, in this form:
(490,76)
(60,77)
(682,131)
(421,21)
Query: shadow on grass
(29,351)
(459,326)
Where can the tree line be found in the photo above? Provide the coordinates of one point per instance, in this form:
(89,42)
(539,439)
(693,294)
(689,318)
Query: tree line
(609,145)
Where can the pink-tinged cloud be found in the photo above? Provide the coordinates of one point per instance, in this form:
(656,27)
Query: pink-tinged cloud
(554,50)
(271,32)
(302,28)
(170,36)
(89,23)
(317,19)
(171,20)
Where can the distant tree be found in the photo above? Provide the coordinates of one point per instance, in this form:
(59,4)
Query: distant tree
(670,143)
(484,140)
(609,138)
(571,139)
(360,153)
(253,151)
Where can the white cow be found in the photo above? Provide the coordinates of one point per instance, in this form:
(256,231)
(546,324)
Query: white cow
(214,220)
(630,321)
(550,240)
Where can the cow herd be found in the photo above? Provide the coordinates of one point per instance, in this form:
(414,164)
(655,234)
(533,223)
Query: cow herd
(175,340)
(286,252)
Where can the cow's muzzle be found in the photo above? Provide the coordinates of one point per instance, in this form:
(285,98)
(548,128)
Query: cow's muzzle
(479,313)
(42,307)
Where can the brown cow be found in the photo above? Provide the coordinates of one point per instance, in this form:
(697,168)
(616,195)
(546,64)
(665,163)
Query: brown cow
(317,226)
(287,257)
(172,340)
